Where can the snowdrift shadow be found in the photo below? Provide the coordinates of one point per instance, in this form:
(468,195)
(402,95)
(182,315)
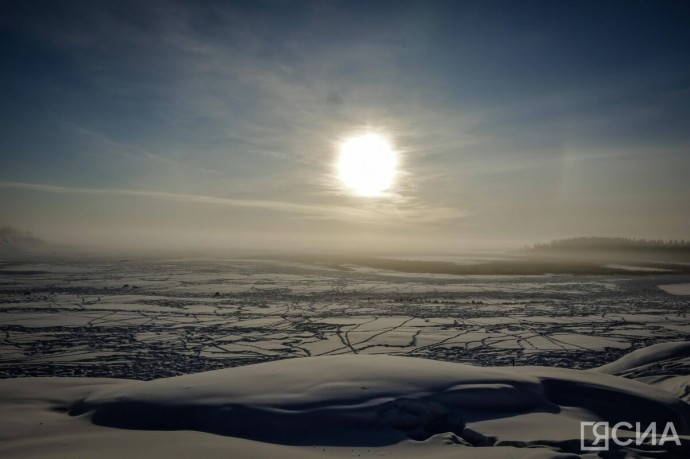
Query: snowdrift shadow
(365,400)
(376,422)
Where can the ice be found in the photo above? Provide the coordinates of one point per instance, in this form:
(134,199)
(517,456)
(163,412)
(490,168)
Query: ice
(202,314)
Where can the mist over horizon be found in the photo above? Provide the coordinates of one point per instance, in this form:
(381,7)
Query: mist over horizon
(151,241)
(593,255)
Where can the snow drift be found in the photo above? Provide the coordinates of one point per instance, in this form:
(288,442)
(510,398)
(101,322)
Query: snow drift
(340,404)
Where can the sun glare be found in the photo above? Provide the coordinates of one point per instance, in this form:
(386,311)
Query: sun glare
(367,164)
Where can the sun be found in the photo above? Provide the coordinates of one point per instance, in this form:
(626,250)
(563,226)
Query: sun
(367,164)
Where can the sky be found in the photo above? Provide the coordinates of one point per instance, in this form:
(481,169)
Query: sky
(218,124)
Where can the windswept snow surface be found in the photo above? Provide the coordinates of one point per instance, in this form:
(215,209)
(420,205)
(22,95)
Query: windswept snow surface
(336,406)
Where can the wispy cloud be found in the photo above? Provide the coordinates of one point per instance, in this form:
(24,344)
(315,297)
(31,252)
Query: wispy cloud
(102,145)
(371,213)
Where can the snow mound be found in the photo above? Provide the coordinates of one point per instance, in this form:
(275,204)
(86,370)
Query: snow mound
(665,366)
(658,359)
(341,406)
(353,399)
(369,400)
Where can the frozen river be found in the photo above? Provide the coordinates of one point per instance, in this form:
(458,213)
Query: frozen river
(147,319)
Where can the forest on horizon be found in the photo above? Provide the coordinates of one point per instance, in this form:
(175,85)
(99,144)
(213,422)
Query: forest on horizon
(612,244)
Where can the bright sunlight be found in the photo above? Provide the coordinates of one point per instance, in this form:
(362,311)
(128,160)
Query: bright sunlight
(367,164)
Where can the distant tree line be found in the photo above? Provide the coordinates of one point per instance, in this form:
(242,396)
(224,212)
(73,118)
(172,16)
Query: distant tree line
(612,244)
(13,237)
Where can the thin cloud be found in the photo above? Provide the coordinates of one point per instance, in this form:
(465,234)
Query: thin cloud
(368,213)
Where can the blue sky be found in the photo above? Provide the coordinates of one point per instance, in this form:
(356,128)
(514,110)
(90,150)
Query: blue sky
(217,123)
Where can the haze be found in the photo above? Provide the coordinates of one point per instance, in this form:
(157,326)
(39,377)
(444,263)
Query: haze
(182,124)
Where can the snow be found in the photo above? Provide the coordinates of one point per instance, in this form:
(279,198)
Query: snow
(149,320)
(677,385)
(168,311)
(682,288)
(651,355)
(664,365)
(638,268)
(334,406)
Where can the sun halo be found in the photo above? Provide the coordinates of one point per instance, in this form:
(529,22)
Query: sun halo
(367,164)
